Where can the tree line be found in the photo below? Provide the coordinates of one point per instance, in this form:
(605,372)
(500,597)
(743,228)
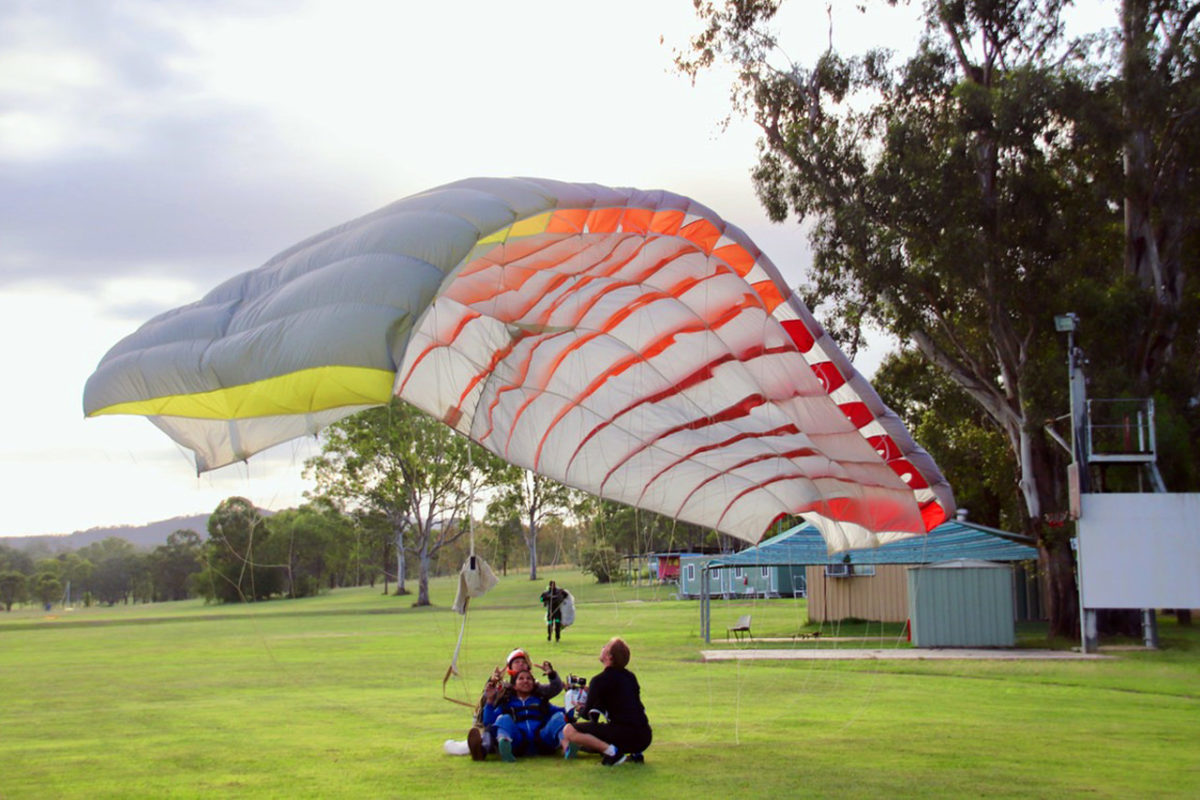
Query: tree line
(392,503)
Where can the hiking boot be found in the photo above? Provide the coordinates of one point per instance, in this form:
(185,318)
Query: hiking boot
(475,744)
(613,760)
(505,748)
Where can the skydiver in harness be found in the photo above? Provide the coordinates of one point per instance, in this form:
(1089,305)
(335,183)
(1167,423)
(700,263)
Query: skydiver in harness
(483,736)
(553,599)
(526,724)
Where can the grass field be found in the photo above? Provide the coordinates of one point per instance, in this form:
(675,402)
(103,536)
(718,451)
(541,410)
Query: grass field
(340,696)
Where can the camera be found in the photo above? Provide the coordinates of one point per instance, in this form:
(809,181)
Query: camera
(577,692)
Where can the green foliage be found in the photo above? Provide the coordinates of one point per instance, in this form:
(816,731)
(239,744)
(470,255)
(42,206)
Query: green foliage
(631,530)
(962,197)
(173,564)
(235,555)
(603,563)
(15,560)
(115,565)
(47,588)
(12,588)
(968,447)
(506,530)
(530,498)
(410,470)
(300,540)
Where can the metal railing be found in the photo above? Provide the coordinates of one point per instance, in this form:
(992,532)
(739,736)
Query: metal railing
(1120,430)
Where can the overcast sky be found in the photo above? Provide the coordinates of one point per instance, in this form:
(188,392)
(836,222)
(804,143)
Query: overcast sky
(150,149)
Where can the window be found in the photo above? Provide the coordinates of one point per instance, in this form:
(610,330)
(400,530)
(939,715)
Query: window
(849,570)
(765,572)
(737,573)
(691,572)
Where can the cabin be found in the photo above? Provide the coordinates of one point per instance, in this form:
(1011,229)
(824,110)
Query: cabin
(742,580)
(872,584)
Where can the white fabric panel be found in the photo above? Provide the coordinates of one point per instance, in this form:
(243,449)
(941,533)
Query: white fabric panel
(1140,550)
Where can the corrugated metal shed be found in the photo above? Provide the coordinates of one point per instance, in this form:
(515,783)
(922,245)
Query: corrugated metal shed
(961,603)
(948,541)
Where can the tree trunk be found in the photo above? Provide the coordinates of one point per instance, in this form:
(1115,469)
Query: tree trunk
(1153,228)
(1041,479)
(531,540)
(1062,598)
(384,563)
(423,579)
(400,587)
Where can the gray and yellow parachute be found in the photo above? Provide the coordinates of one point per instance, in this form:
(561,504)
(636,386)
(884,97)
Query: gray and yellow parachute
(628,343)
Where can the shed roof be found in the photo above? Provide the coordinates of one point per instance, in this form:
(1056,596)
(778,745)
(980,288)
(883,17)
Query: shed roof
(950,540)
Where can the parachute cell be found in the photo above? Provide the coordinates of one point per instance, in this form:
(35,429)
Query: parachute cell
(628,343)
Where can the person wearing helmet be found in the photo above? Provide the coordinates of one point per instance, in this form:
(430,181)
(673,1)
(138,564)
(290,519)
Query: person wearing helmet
(525,723)
(481,739)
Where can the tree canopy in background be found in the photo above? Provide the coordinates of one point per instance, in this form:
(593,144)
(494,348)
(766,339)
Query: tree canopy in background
(415,472)
(960,198)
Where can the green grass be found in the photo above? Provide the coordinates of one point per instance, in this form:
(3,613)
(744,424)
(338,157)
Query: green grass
(340,696)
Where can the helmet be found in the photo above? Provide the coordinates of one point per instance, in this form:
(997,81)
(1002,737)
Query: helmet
(518,653)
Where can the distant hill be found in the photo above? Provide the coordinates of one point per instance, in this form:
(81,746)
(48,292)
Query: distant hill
(143,537)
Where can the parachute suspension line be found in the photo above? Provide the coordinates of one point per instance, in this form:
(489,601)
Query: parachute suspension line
(471,496)
(476,577)
(462,628)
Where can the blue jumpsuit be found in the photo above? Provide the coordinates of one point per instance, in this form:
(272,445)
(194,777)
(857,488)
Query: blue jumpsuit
(533,724)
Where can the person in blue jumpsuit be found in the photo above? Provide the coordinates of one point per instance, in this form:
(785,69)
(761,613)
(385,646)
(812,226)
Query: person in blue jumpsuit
(481,738)
(526,724)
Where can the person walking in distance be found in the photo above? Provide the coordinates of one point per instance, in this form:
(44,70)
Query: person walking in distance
(553,599)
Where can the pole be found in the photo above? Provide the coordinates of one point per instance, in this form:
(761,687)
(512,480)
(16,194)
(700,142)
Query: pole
(1088,636)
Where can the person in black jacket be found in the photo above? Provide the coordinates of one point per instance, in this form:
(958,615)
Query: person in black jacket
(615,693)
(553,599)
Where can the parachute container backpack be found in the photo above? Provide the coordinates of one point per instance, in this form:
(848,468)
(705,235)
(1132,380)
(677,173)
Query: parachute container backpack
(628,343)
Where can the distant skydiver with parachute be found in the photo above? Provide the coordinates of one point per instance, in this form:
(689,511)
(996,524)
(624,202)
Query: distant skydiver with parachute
(631,344)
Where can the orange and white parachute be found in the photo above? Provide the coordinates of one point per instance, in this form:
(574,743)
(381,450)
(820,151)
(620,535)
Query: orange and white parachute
(628,343)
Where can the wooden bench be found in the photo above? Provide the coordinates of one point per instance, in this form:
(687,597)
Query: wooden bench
(740,627)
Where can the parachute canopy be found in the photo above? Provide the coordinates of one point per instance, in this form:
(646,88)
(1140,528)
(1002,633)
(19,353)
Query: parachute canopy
(628,343)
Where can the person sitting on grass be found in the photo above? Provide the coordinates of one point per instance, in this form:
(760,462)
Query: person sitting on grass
(481,738)
(615,693)
(525,723)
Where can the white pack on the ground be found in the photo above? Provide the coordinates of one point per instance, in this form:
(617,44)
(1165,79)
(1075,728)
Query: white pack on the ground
(457,747)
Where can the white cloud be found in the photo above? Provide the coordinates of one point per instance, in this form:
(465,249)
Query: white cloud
(153,149)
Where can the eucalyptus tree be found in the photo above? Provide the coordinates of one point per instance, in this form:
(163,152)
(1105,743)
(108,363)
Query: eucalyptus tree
(533,499)
(396,461)
(173,565)
(13,588)
(1159,88)
(116,565)
(237,557)
(961,198)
